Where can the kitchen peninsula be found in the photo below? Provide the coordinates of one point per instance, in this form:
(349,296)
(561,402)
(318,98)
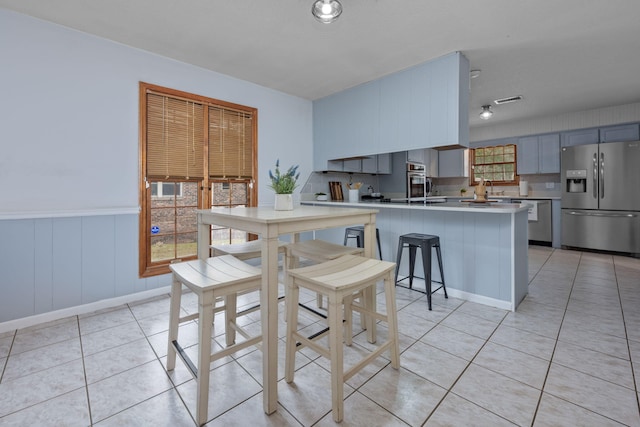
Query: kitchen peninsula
(484,246)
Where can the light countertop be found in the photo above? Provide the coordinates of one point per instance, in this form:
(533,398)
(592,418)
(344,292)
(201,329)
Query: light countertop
(491,207)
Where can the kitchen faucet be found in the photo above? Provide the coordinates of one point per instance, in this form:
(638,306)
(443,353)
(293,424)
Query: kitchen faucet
(488,180)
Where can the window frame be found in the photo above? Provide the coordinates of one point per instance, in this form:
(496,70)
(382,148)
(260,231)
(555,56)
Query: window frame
(472,165)
(147,268)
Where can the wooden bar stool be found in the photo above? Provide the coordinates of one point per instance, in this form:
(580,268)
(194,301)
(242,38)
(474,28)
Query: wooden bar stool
(316,250)
(245,250)
(357,232)
(426,242)
(340,279)
(223,276)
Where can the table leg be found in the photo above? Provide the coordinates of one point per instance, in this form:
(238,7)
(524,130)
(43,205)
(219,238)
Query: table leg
(204,238)
(269,317)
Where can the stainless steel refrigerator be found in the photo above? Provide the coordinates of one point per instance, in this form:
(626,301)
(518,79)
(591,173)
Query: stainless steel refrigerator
(601,196)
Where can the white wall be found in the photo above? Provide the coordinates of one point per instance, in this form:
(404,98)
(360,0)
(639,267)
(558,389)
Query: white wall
(69,109)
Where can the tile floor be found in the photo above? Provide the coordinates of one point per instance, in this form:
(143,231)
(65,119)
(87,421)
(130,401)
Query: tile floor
(570,356)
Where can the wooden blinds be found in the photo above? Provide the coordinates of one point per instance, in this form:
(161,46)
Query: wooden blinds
(230,143)
(175,138)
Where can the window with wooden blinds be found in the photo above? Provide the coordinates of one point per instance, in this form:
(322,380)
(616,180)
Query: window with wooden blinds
(175,138)
(195,152)
(230,143)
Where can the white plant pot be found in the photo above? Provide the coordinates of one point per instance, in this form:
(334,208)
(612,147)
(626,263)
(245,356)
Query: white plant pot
(322,197)
(284,202)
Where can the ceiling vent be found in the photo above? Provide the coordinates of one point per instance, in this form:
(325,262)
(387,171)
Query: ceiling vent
(508,100)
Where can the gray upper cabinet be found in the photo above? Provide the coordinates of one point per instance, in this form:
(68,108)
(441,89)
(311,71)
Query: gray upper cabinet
(352,165)
(549,153)
(370,164)
(538,154)
(384,163)
(579,137)
(453,163)
(622,133)
(428,157)
(420,107)
(379,164)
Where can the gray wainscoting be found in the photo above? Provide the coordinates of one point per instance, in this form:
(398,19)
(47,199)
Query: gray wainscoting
(50,264)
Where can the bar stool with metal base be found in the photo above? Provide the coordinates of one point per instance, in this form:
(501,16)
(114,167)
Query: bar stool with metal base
(357,232)
(340,279)
(223,276)
(425,242)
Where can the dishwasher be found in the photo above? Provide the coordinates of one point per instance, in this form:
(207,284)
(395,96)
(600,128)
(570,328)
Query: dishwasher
(540,229)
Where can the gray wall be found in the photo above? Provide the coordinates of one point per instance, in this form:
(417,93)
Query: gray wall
(69,212)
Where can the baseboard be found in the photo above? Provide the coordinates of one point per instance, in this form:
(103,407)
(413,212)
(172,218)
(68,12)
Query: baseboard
(492,302)
(81,309)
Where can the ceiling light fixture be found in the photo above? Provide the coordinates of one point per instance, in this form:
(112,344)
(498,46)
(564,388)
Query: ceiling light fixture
(326,11)
(486,112)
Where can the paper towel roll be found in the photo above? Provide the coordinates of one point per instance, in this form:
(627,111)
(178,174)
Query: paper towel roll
(524,188)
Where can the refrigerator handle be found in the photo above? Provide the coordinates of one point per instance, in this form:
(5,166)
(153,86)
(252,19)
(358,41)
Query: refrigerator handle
(595,175)
(602,175)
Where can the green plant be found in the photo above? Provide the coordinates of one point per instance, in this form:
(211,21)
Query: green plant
(320,194)
(284,183)
(462,191)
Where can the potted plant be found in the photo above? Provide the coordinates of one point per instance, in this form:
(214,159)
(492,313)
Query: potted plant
(321,196)
(284,184)
(463,191)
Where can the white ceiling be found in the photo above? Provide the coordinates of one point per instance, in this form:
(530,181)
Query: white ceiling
(560,55)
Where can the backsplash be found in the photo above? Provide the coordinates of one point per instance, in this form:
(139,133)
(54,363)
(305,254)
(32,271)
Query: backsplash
(537,186)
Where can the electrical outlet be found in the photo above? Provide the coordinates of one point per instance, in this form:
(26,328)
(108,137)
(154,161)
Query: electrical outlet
(550,185)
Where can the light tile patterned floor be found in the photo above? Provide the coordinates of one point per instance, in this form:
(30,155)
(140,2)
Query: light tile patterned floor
(570,356)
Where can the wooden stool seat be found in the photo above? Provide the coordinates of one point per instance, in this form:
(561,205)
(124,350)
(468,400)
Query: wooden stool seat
(222,276)
(244,250)
(320,250)
(316,250)
(339,279)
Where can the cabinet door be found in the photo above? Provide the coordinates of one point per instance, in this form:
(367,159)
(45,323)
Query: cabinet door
(334,165)
(549,153)
(453,163)
(370,164)
(622,133)
(431,162)
(527,155)
(352,165)
(580,137)
(384,163)
(416,156)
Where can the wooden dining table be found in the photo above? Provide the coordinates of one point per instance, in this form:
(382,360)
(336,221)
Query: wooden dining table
(269,224)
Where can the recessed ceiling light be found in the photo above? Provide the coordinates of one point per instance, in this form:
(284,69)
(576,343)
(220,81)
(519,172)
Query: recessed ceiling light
(326,11)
